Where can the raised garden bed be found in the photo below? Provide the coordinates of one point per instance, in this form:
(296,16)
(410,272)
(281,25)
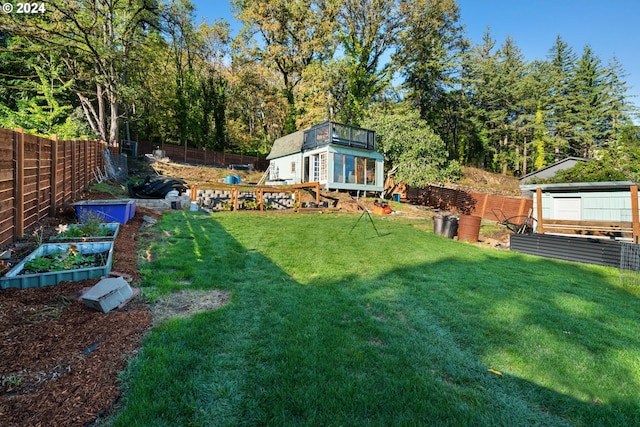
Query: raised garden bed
(75,257)
(84,232)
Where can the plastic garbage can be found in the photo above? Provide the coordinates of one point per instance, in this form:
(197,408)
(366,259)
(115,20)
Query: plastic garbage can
(450,228)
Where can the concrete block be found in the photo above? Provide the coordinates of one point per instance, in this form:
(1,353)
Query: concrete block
(107,294)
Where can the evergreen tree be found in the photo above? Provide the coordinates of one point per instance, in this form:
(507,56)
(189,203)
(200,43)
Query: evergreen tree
(496,92)
(562,62)
(618,109)
(429,56)
(589,105)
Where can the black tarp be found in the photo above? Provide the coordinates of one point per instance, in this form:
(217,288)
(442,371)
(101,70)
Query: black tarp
(156,188)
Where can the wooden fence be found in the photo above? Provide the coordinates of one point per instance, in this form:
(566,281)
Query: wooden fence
(203,156)
(471,203)
(39,175)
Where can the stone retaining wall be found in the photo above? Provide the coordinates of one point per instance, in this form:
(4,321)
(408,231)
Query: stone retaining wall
(217,200)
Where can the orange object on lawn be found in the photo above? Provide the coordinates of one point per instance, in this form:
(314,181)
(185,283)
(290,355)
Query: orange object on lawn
(381,208)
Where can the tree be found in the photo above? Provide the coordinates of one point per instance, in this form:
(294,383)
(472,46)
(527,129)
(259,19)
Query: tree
(618,109)
(495,88)
(290,36)
(589,94)
(430,52)
(95,39)
(410,145)
(534,102)
(562,67)
(368,29)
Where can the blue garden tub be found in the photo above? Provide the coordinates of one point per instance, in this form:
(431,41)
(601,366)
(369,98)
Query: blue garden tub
(119,210)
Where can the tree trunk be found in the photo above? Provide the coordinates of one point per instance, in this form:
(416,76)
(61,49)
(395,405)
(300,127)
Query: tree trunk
(113,125)
(524,155)
(504,149)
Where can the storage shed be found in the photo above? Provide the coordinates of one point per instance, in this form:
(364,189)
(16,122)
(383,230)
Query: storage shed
(594,209)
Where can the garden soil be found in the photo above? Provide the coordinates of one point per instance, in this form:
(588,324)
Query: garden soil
(60,359)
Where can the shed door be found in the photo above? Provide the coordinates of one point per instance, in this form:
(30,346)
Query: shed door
(567,208)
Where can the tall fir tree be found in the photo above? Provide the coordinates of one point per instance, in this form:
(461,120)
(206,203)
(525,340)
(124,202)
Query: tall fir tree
(562,62)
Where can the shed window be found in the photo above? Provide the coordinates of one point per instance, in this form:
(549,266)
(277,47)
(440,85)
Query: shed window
(567,208)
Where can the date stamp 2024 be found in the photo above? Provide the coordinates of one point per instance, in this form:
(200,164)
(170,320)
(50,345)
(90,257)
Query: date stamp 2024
(23,8)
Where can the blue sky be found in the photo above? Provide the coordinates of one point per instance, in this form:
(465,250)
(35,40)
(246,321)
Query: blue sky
(610,27)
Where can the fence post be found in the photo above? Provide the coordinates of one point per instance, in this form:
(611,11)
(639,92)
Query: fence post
(38,169)
(86,164)
(18,149)
(54,175)
(539,210)
(74,169)
(484,204)
(634,213)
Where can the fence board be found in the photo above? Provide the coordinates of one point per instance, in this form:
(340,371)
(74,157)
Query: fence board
(50,173)
(472,203)
(204,157)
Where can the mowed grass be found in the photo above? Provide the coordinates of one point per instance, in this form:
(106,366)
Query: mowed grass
(330,328)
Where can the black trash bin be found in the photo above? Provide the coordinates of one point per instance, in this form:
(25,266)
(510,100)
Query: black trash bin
(438,224)
(450,228)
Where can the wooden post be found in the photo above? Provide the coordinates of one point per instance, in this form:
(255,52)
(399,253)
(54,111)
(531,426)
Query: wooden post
(38,168)
(18,149)
(87,177)
(54,175)
(74,169)
(484,204)
(234,198)
(539,210)
(318,194)
(634,213)
(194,191)
(260,194)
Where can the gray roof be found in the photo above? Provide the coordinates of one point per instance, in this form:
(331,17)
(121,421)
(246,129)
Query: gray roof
(551,169)
(607,185)
(288,144)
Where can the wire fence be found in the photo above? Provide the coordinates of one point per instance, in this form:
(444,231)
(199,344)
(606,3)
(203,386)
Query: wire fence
(630,264)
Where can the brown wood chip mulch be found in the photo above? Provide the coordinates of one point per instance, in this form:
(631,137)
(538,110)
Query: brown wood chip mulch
(59,360)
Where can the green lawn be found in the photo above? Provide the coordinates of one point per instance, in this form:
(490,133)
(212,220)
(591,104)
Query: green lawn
(335,329)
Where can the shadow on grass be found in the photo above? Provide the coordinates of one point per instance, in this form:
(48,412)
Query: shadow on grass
(408,346)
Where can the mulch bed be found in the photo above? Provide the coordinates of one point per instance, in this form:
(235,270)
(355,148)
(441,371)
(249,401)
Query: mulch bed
(60,359)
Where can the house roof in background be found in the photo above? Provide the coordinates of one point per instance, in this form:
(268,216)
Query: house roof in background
(559,165)
(288,144)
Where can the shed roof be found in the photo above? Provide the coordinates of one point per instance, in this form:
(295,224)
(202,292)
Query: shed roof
(288,144)
(608,185)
